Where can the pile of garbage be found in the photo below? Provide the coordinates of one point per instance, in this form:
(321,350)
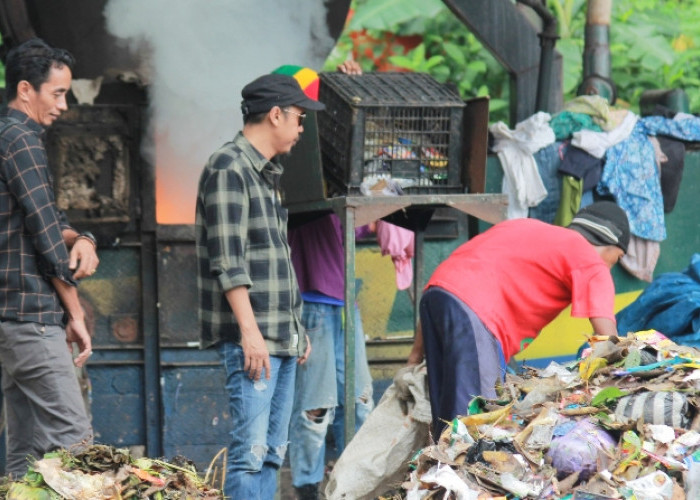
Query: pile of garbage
(102,472)
(622,422)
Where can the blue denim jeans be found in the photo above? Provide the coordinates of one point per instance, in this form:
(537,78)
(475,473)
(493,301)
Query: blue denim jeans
(260,414)
(320,384)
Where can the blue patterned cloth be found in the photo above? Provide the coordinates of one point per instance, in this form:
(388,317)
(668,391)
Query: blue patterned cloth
(670,305)
(631,175)
(548,160)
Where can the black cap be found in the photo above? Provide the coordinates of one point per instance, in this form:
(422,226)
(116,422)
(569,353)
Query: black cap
(268,91)
(603,223)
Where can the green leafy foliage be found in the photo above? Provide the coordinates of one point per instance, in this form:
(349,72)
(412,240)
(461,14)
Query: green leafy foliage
(608,395)
(633,359)
(379,14)
(449,52)
(417,61)
(654,44)
(23,491)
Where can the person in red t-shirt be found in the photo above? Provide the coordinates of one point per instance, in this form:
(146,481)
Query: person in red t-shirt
(504,286)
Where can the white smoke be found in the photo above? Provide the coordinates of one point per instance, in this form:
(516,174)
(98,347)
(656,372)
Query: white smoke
(199,55)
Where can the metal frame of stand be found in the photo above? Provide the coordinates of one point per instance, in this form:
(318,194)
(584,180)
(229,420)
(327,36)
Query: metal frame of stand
(415,211)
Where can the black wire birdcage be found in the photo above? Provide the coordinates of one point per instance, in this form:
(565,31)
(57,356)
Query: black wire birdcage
(401,126)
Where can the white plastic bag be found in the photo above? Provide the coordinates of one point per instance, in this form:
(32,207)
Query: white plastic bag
(374,461)
(447,478)
(77,485)
(655,486)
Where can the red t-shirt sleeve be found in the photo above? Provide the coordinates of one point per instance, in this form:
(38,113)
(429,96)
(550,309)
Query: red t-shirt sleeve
(593,293)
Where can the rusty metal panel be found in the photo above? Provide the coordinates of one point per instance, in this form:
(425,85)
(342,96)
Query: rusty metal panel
(95,160)
(196,418)
(475,145)
(118,403)
(195,415)
(177,287)
(77,25)
(112,299)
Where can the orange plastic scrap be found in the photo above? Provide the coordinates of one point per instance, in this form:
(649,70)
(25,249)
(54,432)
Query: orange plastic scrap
(145,476)
(598,338)
(573,399)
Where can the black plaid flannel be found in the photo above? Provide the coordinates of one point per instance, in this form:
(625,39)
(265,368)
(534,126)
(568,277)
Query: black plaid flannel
(32,249)
(241,238)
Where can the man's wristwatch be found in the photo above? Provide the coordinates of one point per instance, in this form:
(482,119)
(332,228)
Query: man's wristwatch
(88,236)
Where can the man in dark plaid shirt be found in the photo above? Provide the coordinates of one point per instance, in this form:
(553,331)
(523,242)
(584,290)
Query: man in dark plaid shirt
(249,299)
(38,276)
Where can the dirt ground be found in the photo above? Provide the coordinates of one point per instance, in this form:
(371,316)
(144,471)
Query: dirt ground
(285,490)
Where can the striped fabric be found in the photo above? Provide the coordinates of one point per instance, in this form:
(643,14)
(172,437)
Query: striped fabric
(667,408)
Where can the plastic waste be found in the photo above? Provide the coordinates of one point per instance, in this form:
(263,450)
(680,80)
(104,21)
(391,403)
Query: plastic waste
(660,408)
(77,484)
(692,481)
(581,449)
(388,438)
(444,476)
(655,486)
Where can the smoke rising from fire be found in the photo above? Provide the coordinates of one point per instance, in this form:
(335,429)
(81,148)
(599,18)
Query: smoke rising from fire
(199,55)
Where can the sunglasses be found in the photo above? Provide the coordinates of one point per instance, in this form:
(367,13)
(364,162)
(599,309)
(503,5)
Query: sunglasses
(300,116)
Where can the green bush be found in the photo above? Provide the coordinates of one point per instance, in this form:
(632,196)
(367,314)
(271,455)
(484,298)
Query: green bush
(653,43)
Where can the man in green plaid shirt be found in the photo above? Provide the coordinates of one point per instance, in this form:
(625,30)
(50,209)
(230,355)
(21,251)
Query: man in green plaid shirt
(249,299)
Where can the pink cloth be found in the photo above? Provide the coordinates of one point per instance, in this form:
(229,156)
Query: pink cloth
(399,243)
(641,258)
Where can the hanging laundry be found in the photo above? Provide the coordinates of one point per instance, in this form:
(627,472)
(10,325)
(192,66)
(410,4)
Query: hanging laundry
(595,106)
(548,160)
(566,123)
(582,165)
(671,170)
(570,203)
(631,176)
(521,180)
(597,143)
(641,258)
(399,244)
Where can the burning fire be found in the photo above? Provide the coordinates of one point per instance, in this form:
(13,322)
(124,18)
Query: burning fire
(176,184)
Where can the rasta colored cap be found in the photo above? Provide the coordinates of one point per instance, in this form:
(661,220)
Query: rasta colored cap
(308,79)
(268,91)
(603,223)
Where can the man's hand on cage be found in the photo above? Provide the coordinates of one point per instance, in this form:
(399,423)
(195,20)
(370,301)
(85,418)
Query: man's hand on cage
(350,67)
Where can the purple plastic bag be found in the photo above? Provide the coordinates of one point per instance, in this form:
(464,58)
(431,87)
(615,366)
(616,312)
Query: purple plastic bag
(580,448)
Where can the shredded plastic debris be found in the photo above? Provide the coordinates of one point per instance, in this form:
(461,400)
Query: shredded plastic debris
(105,472)
(623,422)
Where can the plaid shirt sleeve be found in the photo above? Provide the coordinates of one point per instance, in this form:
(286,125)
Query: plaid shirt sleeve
(226,214)
(28,179)
(63,220)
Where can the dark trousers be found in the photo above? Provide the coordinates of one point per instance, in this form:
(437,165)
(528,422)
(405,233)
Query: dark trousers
(463,358)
